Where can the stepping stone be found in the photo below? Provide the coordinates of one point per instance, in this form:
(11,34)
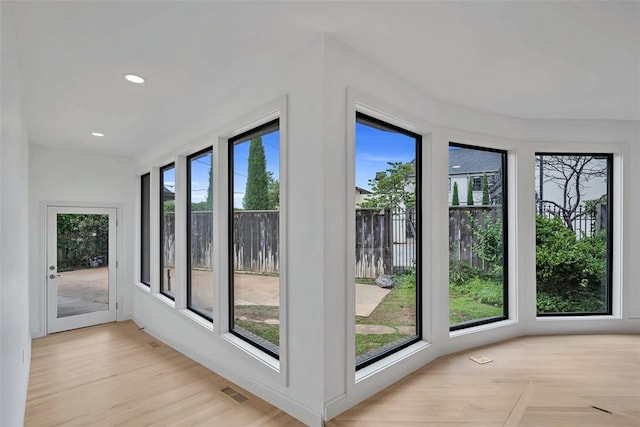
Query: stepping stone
(374,329)
(272,321)
(407,330)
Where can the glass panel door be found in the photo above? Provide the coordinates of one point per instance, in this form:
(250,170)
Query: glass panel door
(80,267)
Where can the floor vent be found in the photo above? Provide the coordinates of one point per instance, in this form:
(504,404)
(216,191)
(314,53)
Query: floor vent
(234,395)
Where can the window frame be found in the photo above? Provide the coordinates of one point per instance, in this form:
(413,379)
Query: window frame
(369,120)
(161,228)
(476,180)
(188,224)
(260,343)
(505,241)
(610,218)
(145,225)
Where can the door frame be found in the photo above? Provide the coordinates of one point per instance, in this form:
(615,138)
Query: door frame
(42,267)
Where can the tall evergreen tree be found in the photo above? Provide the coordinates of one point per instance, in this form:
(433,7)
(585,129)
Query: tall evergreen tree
(256,196)
(274,192)
(209,202)
(470,192)
(485,189)
(455,201)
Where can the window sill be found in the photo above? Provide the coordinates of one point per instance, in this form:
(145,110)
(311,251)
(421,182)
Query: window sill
(482,328)
(585,318)
(165,299)
(255,353)
(199,320)
(143,287)
(392,359)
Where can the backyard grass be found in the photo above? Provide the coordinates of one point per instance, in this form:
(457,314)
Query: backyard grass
(371,342)
(252,317)
(472,300)
(463,308)
(397,308)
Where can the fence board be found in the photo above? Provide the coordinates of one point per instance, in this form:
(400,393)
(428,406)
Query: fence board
(256,242)
(374,242)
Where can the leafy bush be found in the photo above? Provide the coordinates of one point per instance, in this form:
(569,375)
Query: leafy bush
(81,238)
(569,271)
(461,272)
(482,290)
(488,238)
(564,263)
(576,302)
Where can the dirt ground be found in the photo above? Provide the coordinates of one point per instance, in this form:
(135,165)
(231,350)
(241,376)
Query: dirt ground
(84,291)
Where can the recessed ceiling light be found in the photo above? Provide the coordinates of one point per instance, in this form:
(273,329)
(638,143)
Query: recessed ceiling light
(97,134)
(133,78)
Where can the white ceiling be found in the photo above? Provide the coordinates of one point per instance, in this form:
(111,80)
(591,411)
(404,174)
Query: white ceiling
(551,60)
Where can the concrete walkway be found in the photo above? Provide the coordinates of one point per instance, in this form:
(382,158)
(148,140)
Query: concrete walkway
(87,291)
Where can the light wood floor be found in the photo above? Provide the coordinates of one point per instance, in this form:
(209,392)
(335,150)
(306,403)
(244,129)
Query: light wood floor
(117,375)
(532,381)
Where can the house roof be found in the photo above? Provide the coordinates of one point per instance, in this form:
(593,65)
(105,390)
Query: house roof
(463,161)
(362,190)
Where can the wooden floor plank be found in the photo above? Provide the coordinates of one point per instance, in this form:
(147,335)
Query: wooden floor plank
(118,375)
(115,374)
(532,381)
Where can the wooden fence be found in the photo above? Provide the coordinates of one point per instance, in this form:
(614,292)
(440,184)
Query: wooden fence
(256,245)
(256,241)
(374,242)
(461,237)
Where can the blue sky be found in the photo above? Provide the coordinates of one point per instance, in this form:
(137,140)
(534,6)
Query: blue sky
(271,144)
(375,148)
(200,167)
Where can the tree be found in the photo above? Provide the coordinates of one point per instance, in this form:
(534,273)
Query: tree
(209,201)
(455,201)
(256,196)
(485,190)
(569,173)
(393,188)
(470,192)
(273,189)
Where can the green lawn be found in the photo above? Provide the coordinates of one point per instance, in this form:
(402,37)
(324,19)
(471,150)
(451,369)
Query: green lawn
(472,300)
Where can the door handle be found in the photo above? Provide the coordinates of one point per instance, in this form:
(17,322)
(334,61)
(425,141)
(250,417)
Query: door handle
(53,276)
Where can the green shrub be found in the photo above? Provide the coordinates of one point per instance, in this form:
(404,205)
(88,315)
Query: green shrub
(564,263)
(481,290)
(576,302)
(461,272)
(488,242)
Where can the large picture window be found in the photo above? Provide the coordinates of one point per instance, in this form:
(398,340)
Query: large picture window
(167,230)
(388,239)
(145,229)
(200,233)
(254,237)
(477,236)
(573,233)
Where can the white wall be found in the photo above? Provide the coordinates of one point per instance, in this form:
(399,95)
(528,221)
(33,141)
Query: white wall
(15,342)
(350,74)
(82,178)
(296,386)
(316,377)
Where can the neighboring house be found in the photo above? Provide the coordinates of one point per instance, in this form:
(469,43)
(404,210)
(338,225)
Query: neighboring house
(361,195)
(473,164)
